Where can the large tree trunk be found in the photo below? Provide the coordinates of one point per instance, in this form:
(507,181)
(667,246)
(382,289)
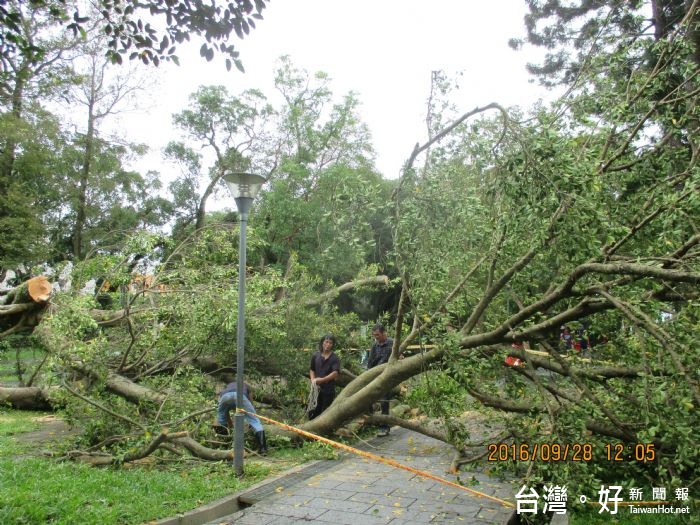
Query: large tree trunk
(7,159)
(29,398)
(22,307)
(37,289)
(81,206)
(368,388)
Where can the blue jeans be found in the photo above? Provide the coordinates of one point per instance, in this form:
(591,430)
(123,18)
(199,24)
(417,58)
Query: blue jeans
(227,402)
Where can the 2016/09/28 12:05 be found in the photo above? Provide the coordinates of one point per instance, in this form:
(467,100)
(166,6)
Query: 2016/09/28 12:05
(569,452)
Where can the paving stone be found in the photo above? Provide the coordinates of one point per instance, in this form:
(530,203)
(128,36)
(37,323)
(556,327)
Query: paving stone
(386,488)
(344,475)
(447,489)
(452,517)
(297,475)
(286,520)
(424,483)
(367,497)
(402,521)
(356,491)
(243,518)
(491,515)
(445,493)
(357,487)
(392,512)
(297,500)
(393,473)
(343,505)
(425,496)
(326,483)
(426,517)
(352,518)
(455,504)
(374,468)
(281,509)
(324,493)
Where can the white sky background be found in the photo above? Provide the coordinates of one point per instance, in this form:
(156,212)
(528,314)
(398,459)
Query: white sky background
(384,50)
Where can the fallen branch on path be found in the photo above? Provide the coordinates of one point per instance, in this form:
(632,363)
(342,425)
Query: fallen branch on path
(377,419)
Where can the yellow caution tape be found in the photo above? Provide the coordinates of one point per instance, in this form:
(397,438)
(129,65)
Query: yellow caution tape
(380,459)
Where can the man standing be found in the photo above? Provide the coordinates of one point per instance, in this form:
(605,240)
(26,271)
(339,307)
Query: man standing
(324,368)
(379,354)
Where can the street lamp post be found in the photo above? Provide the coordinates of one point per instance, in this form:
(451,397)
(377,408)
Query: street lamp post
(244,187)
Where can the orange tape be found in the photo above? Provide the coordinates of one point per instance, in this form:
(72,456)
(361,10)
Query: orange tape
(380,459)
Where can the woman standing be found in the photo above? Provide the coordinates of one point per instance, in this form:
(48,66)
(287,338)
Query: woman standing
(325,367)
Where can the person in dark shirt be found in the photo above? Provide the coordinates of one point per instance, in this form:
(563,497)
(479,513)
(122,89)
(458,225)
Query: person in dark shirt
(324,368)
(379,354)
(227,402)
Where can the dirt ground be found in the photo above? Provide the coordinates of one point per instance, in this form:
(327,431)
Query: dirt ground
(52,430)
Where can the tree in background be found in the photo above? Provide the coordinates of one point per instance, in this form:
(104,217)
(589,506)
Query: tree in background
(323,204)
(232,128)
(101,188)
(326,206)
(54,195)
(576,33)
(182,316)
(29,133)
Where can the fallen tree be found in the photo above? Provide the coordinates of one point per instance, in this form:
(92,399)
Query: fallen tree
(94,377)
(513,231)
(622,281)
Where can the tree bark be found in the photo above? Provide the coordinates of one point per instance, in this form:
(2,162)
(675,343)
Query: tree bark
(123,387)
(368,388)
(29,398)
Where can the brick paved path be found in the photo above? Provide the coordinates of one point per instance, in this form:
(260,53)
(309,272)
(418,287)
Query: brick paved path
(358,491)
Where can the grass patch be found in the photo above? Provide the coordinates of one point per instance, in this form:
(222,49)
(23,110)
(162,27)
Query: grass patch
(18,421)
(45,490)
(29,358)
(13,423)
(38,490)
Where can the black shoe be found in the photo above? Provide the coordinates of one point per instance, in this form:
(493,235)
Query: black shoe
(262,442)
(383,432)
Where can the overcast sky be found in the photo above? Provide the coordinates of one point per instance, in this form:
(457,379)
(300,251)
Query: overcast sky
(384,50)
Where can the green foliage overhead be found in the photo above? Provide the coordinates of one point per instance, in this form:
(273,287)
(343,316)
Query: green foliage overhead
(149,32)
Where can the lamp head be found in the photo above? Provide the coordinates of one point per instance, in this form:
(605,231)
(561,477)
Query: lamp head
(244,187)
(244,184)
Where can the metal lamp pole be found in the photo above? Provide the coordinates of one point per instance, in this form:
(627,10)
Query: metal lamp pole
(244,187)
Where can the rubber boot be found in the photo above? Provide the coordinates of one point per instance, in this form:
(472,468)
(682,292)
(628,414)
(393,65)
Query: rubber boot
(262,443)
(221,430)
